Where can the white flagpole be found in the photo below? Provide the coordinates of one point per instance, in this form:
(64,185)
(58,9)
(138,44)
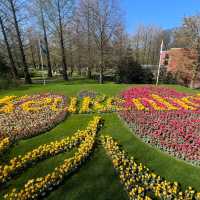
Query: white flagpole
(42,62)
(158,73)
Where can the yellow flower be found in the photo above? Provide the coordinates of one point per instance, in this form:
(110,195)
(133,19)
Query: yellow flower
(72,106)
(138,104)
(164,102)
(85,107)
(4,144)
(182,104)
(35,187)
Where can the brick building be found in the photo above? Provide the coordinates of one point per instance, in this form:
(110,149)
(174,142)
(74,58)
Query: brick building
(180,62)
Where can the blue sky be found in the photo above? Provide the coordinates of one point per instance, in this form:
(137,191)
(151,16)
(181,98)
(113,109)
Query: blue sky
(166,14)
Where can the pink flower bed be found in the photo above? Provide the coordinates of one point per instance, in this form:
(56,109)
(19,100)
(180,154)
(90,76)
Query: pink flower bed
(145,94)
(176,132)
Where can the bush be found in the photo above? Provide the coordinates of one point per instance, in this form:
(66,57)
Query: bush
(167,77)
(8,82)
(4,83)
(148,76)
(130,71)
(6,79)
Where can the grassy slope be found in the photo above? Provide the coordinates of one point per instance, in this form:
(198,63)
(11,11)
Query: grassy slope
(96,179)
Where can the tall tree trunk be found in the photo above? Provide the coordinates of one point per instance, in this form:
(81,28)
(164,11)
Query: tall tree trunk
(71,59)
(192,83)
(145,49)
(137,50)
(32,56)
(46,43)
(101,74)
(64,63)
(38,56)
(23,57)
(12,64)
(89,73)
(101,66)
(148,53)
(78,66)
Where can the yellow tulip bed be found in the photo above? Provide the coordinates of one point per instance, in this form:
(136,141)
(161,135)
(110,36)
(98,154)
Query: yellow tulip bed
(4,144)
(139,182)
(100,104)
(72,108)
(26,116)
(6,105)
(35,188)
(17,164)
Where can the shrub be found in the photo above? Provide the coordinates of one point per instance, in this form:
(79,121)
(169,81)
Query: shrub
(167,77)
(5,77)
(130,71)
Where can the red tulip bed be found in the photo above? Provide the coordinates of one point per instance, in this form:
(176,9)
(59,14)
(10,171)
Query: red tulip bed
(27,116)
(166,119)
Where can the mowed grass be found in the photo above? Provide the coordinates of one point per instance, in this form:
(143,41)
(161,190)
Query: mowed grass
(96,179)
(70,88)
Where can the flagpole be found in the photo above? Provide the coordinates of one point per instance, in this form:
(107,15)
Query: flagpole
(159,66)
(42,62)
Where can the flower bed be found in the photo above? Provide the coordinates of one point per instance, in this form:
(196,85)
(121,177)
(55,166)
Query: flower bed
(4,144)
(139,181)
(98,104)
(26,116)
(160,99)
(19,163)
(35,188)
(168,120)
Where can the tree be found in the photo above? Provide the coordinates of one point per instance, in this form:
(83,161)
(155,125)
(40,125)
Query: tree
(23,57)
(32,52)
(188,36)
(120,45)
(130,71)
(79,44)
(45,37)
(146,44)
(12,64)
(106,17)
(84,13)
(59,12)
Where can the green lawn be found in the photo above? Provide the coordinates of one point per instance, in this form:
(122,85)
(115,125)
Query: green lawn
(96,179)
